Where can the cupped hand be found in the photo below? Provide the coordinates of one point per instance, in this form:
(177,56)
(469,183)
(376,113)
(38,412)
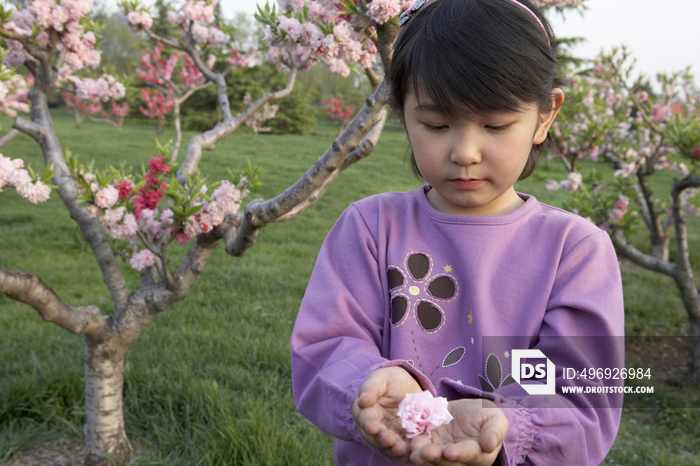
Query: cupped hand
(474,437)
(376,406)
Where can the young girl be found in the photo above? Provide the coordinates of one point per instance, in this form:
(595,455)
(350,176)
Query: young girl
(433,289)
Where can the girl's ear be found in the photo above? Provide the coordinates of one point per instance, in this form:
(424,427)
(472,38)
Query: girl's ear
(546,119)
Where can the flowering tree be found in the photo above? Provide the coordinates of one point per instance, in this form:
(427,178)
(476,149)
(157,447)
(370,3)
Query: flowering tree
(617,121)
(334,110)
(268,112)
(147,211)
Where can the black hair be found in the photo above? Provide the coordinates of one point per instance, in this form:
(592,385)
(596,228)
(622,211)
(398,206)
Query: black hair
(475,56)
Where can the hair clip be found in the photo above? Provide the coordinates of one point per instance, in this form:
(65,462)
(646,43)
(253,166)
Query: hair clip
(406,15)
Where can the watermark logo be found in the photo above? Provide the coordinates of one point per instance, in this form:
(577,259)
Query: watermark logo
(536,376)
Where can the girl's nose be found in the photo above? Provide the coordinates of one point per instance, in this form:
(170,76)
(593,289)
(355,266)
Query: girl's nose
(466,148)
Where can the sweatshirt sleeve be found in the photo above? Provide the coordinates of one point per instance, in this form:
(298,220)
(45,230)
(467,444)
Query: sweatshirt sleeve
(338,332)
(583,327)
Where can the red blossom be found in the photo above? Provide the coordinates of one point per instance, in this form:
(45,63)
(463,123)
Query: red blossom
(151,198)
(125,189)
(696,152)
(157,165)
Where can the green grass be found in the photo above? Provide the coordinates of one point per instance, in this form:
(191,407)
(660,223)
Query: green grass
(208,382)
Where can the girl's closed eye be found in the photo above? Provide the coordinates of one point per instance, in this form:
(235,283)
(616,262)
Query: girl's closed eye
(435,128)
(498,129)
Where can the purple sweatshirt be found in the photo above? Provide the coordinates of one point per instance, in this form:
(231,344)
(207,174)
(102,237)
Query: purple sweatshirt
(447,298)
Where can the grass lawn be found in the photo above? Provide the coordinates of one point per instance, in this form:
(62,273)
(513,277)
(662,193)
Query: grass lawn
(208,382)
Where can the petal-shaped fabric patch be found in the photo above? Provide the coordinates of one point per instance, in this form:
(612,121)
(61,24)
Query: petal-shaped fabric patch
(493,370)
(454,356)
(429,316)
(442,287)
(398,309)
(395,278)
(418,265)
(485,385)
(508,380)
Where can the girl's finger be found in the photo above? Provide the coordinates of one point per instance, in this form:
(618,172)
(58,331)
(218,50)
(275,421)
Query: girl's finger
(493,433)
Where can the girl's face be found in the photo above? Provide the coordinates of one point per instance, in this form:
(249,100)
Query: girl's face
(472,163)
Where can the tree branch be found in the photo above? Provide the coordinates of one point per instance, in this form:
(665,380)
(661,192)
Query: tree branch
(259,213)
(645,260)
(208,139)
(364,150)
(41,129)
(29,289)
(13,133)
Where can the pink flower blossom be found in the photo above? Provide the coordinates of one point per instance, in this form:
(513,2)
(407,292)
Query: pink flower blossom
(107,197)
(23,20)
(200,33)
(36,192)
(124,230)
(217,38)
(620,209)
(142,259)
(228,197)
(382,10)
(112,216)
(140,19)
(125,188)
(157,165)
(420,413)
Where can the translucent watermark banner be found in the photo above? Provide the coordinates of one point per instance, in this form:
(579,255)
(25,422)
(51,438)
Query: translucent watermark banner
(592,372)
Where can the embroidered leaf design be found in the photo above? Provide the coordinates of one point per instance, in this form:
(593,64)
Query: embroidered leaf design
(485,385)
(493,370)
(508,380)
(454,356)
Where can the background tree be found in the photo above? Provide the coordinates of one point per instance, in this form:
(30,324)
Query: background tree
(636,136)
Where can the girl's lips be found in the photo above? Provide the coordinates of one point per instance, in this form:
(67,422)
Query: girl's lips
(467,184)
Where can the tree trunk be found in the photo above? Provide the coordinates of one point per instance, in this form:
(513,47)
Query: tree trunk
(661,249)
(694,352)
(161,124)
(105,438)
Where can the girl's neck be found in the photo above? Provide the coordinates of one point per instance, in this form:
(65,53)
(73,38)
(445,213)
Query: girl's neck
(504,204)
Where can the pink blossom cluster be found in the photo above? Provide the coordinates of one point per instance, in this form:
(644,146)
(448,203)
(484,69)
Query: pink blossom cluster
(620,209)
(104,88)
(255,122)
(130,214)
(573,182)
(194,18)
(157,70)
(157,106)
(62,17)
(139,19)
(334,109)
(79,108)
(380,11)
(301,43)
(190,74)
(13,175)
(142,259)
(420,413)
(15,96)
(241,59)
